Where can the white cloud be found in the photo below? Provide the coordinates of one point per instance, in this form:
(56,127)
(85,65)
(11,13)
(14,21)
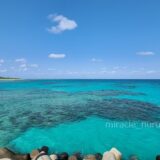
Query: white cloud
(56,56)
(71,72)
(145,53)
(12,68)
(3,70)
(108,72)
(151,71)
(135,71)
(63,23)
(22,69)
(116,67)
(96,60)
(51,69)
(25,69)
(1,61)
(23,65)
(34,65)
(21,60)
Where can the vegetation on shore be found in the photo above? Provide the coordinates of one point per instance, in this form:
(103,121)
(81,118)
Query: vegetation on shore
(8,78)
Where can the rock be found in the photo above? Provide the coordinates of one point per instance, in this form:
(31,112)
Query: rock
(90,157)
(73,157)
(5,154)
(116,153)
(158,157)
(63,156)
(78,155)
(98,156)
(109,156)
(53,157)
(133,157)
(113,154)
(34,153)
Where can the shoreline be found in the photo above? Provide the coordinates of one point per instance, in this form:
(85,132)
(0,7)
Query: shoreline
(43,153)
(9,79)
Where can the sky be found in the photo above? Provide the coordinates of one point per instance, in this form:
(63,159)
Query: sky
(108,39)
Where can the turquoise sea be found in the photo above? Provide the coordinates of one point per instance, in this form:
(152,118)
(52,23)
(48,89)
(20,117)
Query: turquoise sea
(81,115)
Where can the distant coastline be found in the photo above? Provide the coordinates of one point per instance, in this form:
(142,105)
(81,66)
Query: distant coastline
(8,78)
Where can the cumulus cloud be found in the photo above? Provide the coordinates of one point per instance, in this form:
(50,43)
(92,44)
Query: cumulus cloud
(96,60)
(145,53)
(1,61)
(21,60)
(151,71)
(25,69)
(51,69)
(56,56)
(62,23)
(107,71)
(23,66)
(34,65)
(3,70)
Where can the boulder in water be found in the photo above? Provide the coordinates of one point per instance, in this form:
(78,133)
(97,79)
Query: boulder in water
(90,157)
(53,157)
(113,154)
(63,156)
(5,154)
(133,157)
(98,156)
(73,157)
(158,157)
(34,153)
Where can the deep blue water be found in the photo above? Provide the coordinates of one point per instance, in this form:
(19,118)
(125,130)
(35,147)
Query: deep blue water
(81,115)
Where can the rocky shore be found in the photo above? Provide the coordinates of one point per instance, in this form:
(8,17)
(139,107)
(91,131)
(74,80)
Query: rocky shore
(6,153)
(42,154)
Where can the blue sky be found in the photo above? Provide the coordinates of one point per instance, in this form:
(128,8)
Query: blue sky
(80,38)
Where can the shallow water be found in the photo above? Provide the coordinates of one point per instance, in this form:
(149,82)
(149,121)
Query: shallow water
(78,115)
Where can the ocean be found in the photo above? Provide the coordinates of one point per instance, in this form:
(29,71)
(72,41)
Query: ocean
(86,116)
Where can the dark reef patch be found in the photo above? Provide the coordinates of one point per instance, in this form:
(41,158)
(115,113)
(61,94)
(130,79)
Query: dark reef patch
(119,109)
(21,110)
(126,86)
(125,109)
(113,93)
